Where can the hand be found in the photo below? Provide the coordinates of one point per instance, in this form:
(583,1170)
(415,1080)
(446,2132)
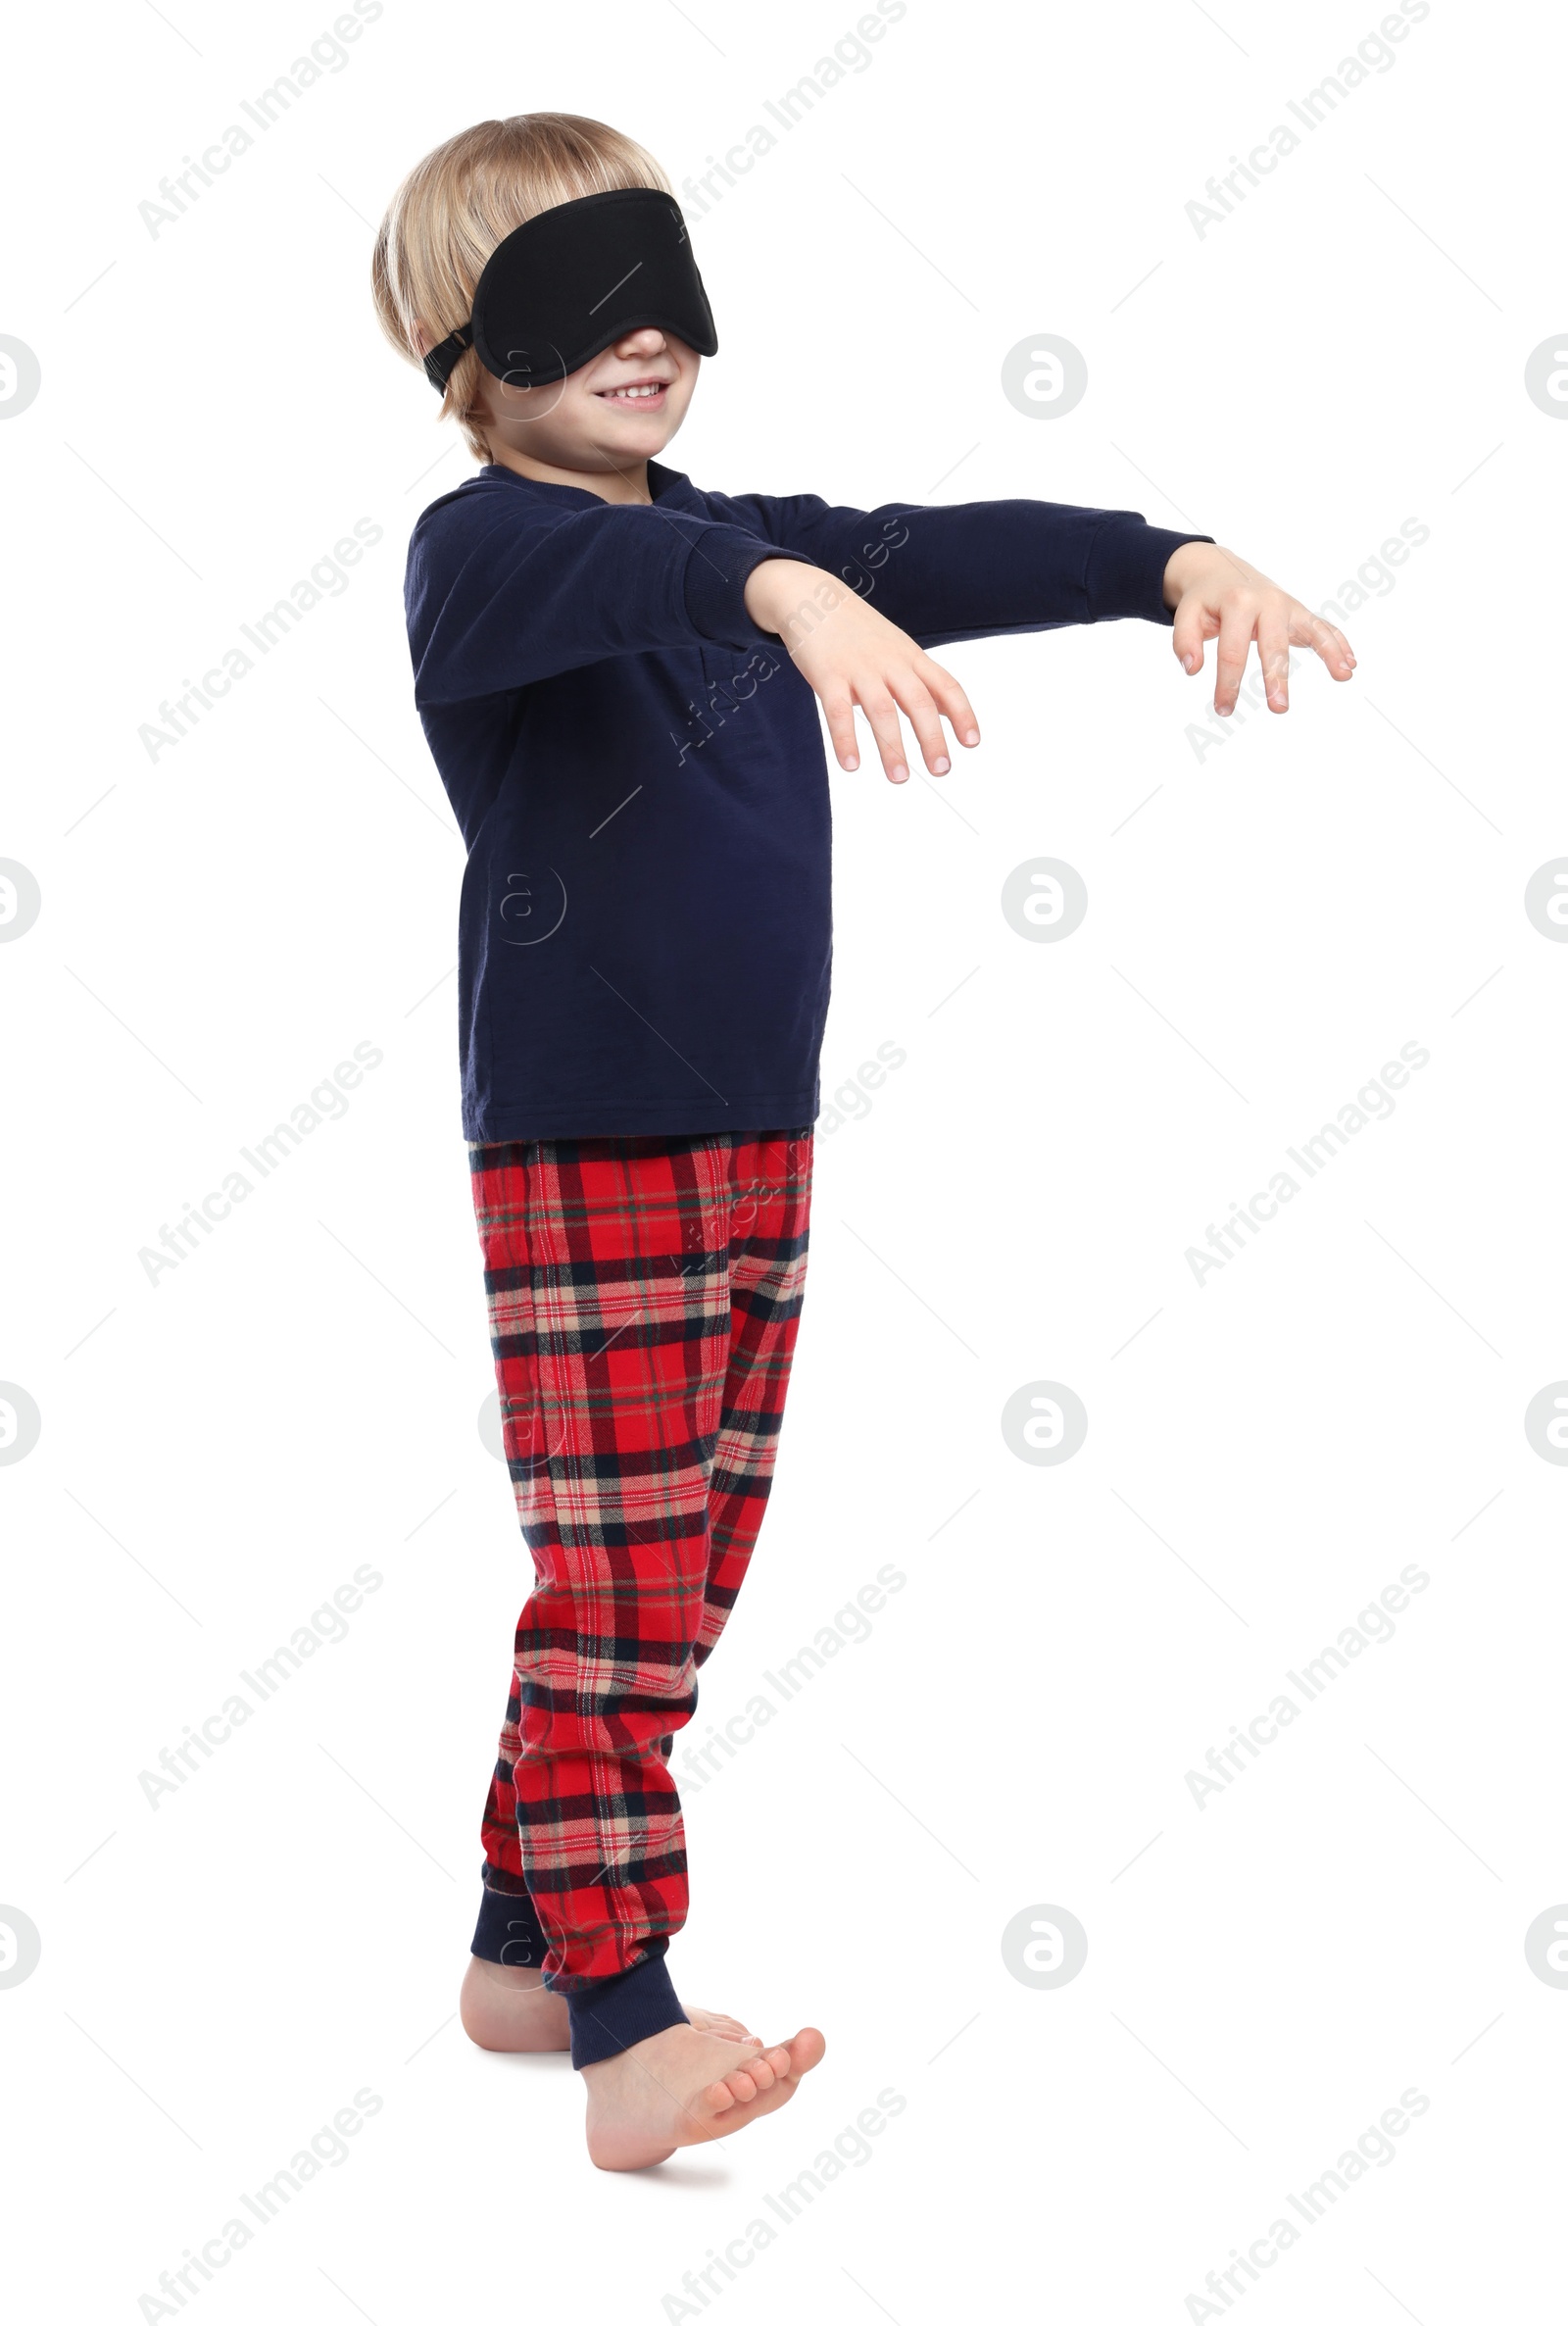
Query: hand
(1218,594)
(848,653)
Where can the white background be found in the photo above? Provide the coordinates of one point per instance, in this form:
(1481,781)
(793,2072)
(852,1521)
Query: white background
(1265,1975)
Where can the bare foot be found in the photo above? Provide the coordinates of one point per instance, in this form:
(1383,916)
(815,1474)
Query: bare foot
(506,2008)
(683,2086)
(718,2023)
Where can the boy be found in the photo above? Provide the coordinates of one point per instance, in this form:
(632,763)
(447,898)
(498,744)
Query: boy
(618,676)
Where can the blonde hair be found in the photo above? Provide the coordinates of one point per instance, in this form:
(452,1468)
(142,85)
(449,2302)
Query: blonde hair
(455,206)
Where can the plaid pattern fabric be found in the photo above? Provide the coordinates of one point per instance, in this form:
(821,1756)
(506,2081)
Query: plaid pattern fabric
(644,1298)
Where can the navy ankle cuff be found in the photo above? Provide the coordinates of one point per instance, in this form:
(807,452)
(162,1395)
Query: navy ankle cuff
(614,2013)
(508,1930)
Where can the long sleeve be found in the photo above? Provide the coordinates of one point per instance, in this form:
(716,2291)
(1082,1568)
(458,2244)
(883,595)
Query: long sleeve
(499,593)
(979,568)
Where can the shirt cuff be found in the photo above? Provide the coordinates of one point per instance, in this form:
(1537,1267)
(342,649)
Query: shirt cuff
(717,566)
(1127,571)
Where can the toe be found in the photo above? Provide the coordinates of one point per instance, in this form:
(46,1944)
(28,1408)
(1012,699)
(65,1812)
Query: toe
(805,2049)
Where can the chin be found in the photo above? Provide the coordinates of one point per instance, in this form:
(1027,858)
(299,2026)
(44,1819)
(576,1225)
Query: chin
(645,439)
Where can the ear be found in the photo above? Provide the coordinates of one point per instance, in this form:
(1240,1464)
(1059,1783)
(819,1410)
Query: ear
(424,338)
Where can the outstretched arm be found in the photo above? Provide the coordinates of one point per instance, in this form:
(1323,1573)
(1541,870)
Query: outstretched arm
(854,656)
(976,568)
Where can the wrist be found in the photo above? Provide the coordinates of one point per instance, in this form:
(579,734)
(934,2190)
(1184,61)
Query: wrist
(1184,567)
(775,589)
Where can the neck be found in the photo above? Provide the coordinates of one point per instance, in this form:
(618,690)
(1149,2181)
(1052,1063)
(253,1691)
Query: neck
(625,484)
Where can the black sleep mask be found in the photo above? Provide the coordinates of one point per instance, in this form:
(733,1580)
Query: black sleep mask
(568,283)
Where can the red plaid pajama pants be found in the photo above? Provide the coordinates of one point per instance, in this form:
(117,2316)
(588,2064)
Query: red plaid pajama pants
(644,1297)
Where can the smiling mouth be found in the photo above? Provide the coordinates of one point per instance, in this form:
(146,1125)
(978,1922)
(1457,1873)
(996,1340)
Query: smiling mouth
(637,395)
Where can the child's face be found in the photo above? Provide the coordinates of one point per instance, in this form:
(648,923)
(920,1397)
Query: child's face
(588,420)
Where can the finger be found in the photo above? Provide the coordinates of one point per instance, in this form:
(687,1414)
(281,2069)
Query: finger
(1238,617)
(1331,646)
(913,699)
(1274,651)
(839,712)
(1189,632)
(882,718)
(951,700)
